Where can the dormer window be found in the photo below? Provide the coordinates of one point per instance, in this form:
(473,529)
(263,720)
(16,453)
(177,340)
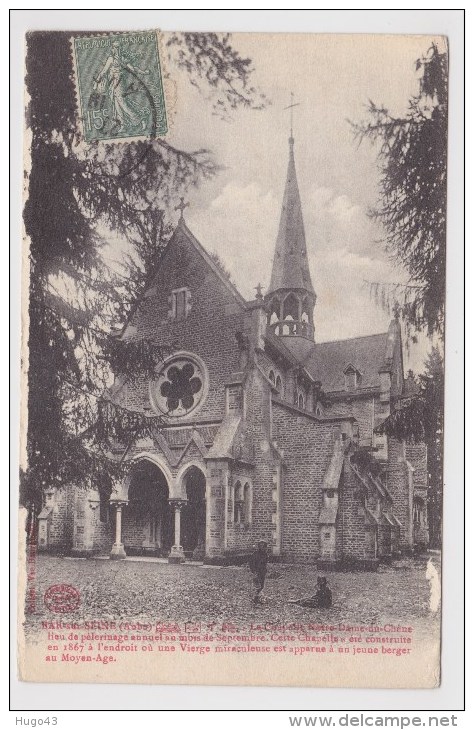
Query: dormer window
(352,378)
(180,303)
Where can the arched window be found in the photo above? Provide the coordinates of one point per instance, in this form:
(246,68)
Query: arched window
(305,311)
(247,503)
(291,308)
(301,401)
(238,503)
(274,311)
(271,375)
(417,510)
(180,386)
(290,315)
(279,385)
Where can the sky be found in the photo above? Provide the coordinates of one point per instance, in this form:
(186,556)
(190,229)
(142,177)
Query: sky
(237,213)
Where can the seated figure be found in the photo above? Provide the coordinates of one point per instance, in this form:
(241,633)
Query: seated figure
(321,599)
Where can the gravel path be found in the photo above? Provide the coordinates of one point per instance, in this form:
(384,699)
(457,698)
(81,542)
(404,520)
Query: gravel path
(151,590)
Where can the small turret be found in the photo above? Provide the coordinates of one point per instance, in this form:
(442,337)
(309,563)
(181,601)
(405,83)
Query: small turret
(290,299)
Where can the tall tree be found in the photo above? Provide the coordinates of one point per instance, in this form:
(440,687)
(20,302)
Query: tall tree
(412,155)
(419,417)
(78,196)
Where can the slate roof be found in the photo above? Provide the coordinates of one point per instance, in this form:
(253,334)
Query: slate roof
(280,345)
(326,361)
(224,439)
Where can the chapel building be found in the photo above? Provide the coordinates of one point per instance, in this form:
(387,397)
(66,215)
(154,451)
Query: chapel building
(267,433)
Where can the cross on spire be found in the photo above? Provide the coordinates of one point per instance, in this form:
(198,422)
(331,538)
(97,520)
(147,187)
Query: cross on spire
(259,291)
(291,107)
(181,207)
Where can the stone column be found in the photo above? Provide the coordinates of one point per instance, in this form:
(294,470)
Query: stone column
(118,550)
(280,325)
(299,326)
(93,500)
(217,505)
(85,518)
(177,553)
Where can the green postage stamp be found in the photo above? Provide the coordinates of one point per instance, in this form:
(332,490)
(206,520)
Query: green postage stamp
(120,86)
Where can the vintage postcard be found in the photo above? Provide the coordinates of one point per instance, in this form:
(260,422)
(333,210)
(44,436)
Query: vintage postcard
(233,347)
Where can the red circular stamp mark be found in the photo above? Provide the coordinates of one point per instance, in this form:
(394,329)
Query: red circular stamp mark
(62,598)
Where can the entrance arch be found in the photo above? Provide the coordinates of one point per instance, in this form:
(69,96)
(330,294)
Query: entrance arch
(147,519)
(193,516)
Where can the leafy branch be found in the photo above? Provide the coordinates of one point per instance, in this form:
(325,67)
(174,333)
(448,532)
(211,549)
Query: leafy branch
(412,157)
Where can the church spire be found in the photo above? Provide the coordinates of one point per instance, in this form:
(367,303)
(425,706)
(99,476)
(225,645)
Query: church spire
(291,296)
(290,264)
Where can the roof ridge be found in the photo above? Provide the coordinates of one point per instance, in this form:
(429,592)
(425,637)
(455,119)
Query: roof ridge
(326,361)
(351,339)
(207,257)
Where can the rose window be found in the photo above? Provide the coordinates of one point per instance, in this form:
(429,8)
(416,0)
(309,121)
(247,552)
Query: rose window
(180,387)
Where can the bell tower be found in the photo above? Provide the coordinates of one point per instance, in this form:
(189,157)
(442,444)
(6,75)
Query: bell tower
(290,299)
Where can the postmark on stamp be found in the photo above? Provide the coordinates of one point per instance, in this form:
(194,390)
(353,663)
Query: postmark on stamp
(119,83)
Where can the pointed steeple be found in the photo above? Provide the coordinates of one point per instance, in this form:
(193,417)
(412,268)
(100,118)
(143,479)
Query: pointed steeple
(290,263)
(291,296)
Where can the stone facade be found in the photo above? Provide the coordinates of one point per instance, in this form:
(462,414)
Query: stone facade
(266,434)
(56,520)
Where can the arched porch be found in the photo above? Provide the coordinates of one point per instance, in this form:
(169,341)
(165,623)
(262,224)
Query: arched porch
(193,516)
(147,521)
(158,514)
